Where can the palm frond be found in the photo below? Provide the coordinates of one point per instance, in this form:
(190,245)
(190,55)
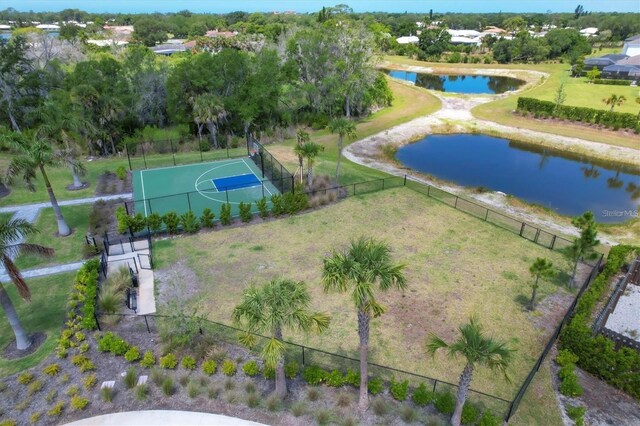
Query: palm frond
(273,352)
(434,343)
(13,229)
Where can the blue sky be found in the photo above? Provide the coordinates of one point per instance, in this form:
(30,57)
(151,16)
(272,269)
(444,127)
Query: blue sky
(218,6)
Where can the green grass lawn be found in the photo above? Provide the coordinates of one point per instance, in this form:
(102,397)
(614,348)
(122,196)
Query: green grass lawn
(6,216)
(45,313)
(409,103)
(579,93)
(68,249)
(456,266)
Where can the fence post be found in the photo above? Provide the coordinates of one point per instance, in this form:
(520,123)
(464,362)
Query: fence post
(405,181)
(455,205)
(428,190)
(200,149)
(522,229)
(144,156)
(535,240)
(354,189)
(486,215)
(97,322)
(147,323)
(128,157)
(126,208)
(226,192)
(262,163)
(435,382)
(303,355)
(553,242)
(173,153)
(189,201)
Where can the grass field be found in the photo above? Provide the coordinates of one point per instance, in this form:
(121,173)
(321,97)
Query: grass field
(456,266)
(68,249)
(45,313)
(579,93)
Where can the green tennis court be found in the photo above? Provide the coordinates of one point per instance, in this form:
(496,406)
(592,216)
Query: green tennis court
(198,186)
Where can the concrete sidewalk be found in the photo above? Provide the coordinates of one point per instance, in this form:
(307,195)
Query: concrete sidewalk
(163,418)
(38,206)
(41,272)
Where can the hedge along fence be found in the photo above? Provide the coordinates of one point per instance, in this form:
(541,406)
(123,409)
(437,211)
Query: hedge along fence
(597,355)
(614,120)
(612,82)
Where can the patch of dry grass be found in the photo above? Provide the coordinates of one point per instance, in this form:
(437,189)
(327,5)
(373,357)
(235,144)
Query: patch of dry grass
(456,266)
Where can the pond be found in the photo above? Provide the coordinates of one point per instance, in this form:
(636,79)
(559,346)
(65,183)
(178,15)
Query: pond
(569,186)
(459,83)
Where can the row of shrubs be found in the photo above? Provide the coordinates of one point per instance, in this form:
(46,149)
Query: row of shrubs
(597,355)
(612,82)
(569,384)
(614,120)
(287,203)
(312,375)
(83,297)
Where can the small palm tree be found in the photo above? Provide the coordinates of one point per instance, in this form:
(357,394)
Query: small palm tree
(541,268)
(302,137)
(278,305)
(309,151)
(477,350)
(35,154)
(614,100)
(343,127)
(11,232)
(365,266)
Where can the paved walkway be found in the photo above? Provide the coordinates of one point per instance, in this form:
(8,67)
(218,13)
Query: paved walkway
(38,206)
(41,272)
(30,212)
(163,418)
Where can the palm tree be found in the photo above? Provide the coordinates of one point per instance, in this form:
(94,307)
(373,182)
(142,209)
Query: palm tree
(208,109)
(477,350)
(614,100)
(63,125)
(302,137)
(278,305)
(11,233)
(343,127)
(35,154)
(366,263)
(309,151)
(541,268)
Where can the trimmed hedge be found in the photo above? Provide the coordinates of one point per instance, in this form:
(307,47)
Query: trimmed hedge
(612,82)
(597,355)
(87,285)
(615,120)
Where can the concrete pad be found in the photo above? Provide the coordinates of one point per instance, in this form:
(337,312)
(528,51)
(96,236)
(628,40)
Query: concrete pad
(108,384)
(163,418)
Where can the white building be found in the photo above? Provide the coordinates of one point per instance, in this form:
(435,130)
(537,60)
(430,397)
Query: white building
(48,27)
(464,33)
(108,42)
(589,32)
(407,40)
(631,46)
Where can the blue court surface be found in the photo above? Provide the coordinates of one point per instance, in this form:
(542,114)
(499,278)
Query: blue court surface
(236,182)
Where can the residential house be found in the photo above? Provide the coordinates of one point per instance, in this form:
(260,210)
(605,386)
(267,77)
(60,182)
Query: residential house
(632,46)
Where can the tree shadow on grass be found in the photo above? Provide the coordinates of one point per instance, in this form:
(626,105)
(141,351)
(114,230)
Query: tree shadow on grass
(523,300)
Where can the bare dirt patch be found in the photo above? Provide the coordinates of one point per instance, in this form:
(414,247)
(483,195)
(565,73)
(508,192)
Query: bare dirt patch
(109,184)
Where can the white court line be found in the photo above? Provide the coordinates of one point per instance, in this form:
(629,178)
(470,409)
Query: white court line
(192,164)
(261,182)
(144,198)
(214,185)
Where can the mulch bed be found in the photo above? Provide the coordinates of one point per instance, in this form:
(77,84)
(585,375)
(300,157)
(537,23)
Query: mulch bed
(109,184)
(12,352)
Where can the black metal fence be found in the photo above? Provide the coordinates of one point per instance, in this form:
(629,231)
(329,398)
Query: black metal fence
(525,230)
(271,168)
(303,355)
(182,152)
(525,385)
